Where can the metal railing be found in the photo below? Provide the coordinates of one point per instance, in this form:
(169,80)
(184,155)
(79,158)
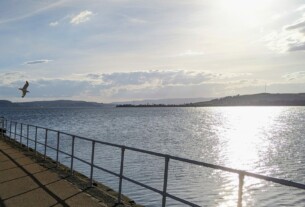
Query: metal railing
(12,126)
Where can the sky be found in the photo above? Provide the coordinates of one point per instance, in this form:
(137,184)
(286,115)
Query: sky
(120,50)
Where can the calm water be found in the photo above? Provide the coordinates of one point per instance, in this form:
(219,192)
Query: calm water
(265,140)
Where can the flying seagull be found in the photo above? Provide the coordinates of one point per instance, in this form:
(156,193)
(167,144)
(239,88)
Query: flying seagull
(24,89)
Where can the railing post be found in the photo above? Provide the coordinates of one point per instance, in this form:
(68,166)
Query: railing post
(92,163)
(165,181)
(57,149)
(27,137)
(15,131)
(20,137)
(240,189)
(6,128)
(121,174)
(35,140)
(72,154)
(2,131)
(10,129)
(45,144)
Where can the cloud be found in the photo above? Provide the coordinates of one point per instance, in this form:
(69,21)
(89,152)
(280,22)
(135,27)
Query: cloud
(94,76)
(136,21)
(10,78)
(294,76)
(301,8)
(290,38)
(159,77)
(82,17)
(54,24)
(299,24)
(33,62)
(157,84)
(189,53)
(174,77)
(44,7)
(298,47)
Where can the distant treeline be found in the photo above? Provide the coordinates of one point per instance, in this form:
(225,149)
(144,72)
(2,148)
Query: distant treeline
(51,104)
(262,99)
(148,105)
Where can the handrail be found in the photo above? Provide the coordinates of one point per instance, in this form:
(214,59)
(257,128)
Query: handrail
(12,126)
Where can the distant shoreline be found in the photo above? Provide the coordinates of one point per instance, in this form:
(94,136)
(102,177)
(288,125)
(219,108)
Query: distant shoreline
(180,106)
(263,99)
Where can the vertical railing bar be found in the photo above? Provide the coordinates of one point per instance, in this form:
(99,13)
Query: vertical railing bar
(20,137)
(10,129)
(121,174)
(2,131)
(57,149)
(27,137)
(45,144)
(36,140)
(72,154)
(92,163)
(241,177)
(15,131)
(5,125)
(6,128)
(165,181)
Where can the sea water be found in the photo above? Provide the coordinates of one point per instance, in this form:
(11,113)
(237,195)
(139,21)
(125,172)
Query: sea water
(265,140)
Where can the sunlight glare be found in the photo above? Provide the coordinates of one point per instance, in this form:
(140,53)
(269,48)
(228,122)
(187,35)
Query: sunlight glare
(249,13)
(244,141)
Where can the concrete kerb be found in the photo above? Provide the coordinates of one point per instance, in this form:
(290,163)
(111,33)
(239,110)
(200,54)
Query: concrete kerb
(99,191)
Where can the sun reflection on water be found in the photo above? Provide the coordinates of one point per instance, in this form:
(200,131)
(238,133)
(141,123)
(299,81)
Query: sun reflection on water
(244,136)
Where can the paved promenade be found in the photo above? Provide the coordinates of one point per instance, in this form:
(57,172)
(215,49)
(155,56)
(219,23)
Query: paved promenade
(23,182)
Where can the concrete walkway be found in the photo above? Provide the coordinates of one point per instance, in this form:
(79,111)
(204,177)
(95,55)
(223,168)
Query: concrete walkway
(26,183)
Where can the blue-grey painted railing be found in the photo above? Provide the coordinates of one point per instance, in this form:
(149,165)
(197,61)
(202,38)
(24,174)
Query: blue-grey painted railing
(12,125)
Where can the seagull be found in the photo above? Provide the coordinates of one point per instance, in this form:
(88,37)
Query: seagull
(24,89)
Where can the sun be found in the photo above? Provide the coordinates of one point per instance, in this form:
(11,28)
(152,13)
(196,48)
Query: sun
(246,12)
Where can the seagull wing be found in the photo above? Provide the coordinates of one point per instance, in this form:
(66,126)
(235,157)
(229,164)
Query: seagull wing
(25,85)
(23,94)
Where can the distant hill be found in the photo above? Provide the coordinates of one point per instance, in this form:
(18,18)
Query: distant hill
(263,99)
(171,101)
(52,104)
(4,103)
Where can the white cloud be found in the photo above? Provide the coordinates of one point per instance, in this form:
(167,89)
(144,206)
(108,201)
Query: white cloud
(301,8)
(294,76)
(142,80)
(11,77)
(33,62)
(190,53)
(276,17)
(290,38)
(284,41)
(108,87)
(82,17)
(299,24)
(54,24)
(156,77)
(133,20)
(44,7)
